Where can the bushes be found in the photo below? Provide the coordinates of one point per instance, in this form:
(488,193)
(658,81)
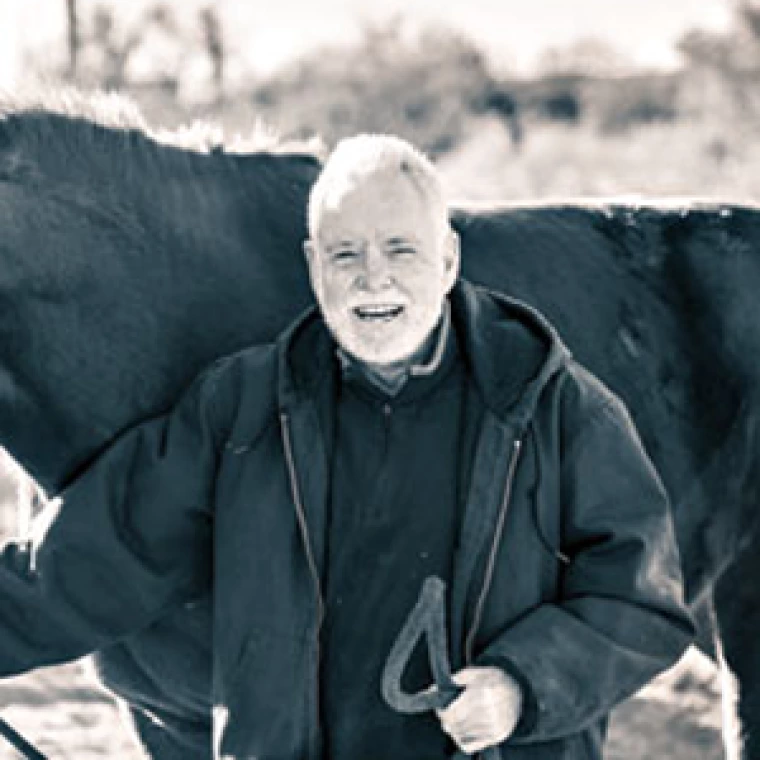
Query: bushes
(422,87)
(635,101)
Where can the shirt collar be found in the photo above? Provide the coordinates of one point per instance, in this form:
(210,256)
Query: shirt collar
(428,364)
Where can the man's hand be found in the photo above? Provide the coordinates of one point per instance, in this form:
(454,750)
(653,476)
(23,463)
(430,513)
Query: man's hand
(486,712)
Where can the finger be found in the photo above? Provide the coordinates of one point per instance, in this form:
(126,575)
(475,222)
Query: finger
(479,700)
(474,742)
(467,676)
(457,708)
(471,704)
(470,728)
(483,725)
(471,747)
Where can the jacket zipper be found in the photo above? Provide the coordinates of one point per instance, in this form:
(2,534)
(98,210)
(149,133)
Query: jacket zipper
(304,529)
(490,567)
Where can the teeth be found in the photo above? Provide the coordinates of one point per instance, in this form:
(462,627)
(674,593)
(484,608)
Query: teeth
(380,311)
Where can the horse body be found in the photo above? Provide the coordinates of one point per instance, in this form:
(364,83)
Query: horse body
(126,269)
(659,303)
(120,280)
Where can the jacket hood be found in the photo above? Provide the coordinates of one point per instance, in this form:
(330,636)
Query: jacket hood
(510,350)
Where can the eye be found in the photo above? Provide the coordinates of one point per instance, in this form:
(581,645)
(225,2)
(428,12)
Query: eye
(402,250)
(344,255)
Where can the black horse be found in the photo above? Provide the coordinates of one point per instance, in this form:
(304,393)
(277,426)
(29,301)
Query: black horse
(128,262)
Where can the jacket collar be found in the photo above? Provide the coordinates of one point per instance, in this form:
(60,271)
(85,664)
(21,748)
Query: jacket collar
(431,356)
(509,348)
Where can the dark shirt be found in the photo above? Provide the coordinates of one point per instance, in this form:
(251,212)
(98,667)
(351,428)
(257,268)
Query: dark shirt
(393,522)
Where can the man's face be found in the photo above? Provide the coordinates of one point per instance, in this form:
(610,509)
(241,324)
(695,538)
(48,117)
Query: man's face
(381,264)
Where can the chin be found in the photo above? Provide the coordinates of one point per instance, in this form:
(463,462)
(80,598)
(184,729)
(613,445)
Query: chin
(393,347)
(380,357)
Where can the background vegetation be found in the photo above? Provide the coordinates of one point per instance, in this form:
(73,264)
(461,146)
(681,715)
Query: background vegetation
(587,123)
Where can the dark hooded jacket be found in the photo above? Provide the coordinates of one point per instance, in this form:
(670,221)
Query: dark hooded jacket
(566,571)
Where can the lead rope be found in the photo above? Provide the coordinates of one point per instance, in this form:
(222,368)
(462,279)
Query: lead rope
(26,749)
(428,617)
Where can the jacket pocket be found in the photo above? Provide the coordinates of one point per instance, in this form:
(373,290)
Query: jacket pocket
(264,702)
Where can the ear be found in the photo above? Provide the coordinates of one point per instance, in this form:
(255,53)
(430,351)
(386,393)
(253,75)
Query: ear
(451,259)
(310,252)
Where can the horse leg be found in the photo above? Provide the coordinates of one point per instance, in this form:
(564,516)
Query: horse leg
(737,610)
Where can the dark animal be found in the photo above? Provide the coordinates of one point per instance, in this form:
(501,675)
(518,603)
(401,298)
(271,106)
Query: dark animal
(127,264)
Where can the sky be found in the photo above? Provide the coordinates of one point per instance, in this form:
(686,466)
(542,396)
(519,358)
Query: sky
(512,32)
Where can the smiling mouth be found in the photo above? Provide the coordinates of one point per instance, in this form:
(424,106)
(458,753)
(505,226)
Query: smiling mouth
(378,313)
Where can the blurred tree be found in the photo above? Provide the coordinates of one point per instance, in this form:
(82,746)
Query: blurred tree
(562,103)
(112,52)
(419,85)
(156,52)
(115,48)
(162,16)
(723,68)
(72,19)
(497,98)
(588,57)
(749,17)
(704,48)
(732,51)
(635,101)
(213,36)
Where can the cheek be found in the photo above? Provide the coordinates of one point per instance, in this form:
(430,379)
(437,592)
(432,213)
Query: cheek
(336,289)
(427,284)
(337,282)
(428,273)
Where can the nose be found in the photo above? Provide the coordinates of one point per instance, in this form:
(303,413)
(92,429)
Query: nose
(376,275)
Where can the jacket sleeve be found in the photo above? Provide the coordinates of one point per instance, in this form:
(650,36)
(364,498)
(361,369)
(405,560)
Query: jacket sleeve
(620,616)
(125,540)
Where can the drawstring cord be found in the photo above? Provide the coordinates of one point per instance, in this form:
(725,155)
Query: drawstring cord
(556,552)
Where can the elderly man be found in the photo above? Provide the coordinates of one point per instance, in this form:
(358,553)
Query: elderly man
(412,426)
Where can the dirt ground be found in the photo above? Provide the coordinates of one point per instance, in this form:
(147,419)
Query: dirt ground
(676,717)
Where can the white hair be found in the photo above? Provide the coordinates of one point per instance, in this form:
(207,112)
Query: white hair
(368,156)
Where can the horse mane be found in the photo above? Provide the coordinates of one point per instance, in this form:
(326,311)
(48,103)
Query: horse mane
(94,158)
(96,154)
(79,122)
